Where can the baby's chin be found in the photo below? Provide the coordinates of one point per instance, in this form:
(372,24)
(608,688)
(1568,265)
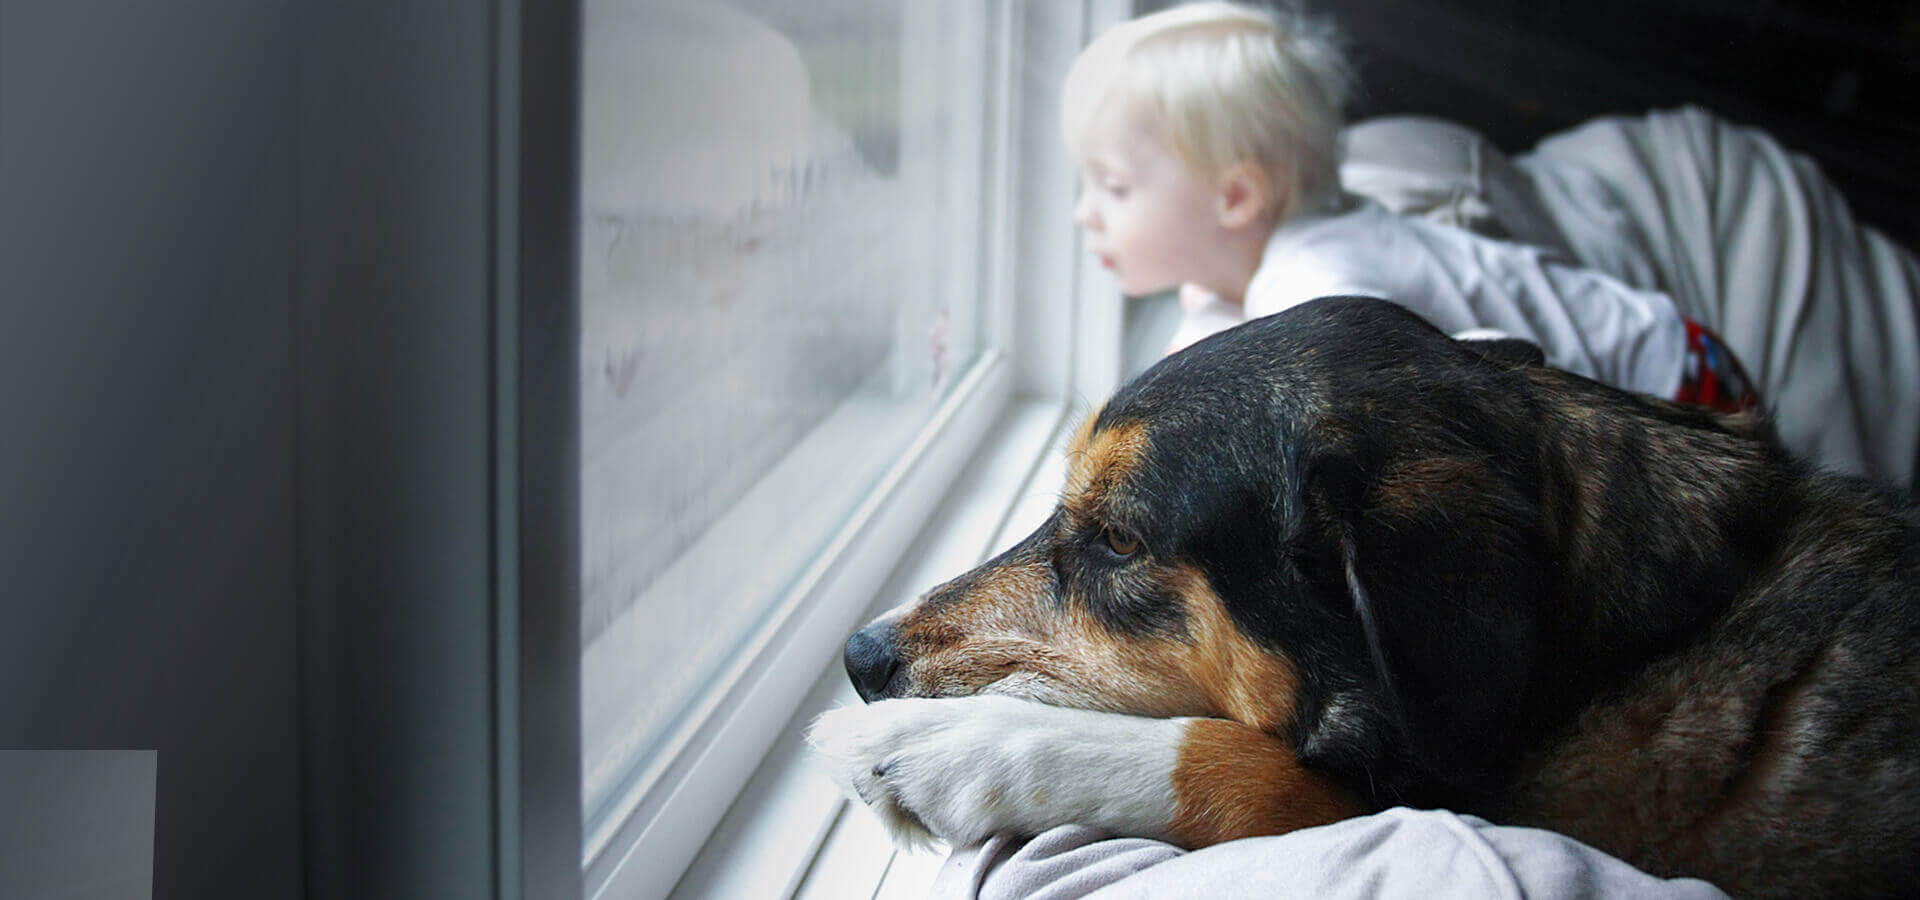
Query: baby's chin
(1137,288)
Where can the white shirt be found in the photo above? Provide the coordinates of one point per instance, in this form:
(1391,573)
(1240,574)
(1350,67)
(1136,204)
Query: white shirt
(1585,321)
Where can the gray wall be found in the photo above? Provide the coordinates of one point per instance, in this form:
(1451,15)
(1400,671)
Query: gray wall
(394,288)
(147,517)
(252,464)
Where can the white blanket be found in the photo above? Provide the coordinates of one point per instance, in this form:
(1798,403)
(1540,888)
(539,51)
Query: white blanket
(1754,242)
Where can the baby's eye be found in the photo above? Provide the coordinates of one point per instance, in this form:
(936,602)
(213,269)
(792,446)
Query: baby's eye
(1104,185)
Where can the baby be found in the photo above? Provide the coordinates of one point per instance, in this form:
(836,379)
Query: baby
(1207,138)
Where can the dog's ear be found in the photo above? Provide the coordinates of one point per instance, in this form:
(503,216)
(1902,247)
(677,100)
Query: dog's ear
(1370,628)
(1502,349)
(1355,727)
(1350,721)
(1422,553)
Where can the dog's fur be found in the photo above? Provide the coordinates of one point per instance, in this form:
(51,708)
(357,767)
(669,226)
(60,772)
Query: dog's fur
(1332,561)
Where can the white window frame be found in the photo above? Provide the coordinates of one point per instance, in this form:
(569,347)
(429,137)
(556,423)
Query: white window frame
(1025,386)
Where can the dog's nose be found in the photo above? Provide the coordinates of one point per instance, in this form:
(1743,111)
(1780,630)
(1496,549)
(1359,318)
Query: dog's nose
(871,660)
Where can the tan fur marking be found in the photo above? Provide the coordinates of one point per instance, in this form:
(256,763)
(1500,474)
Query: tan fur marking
(1232,781)
(1099,461)
(1003,637)
(1243,681)
(1122,674)
(977,638)
(1078,443)
(1214,670)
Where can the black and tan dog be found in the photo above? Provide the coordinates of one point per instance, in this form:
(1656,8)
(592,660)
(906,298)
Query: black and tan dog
(1333,561)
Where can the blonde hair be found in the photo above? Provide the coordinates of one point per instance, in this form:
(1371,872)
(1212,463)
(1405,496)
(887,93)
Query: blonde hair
(1226,84)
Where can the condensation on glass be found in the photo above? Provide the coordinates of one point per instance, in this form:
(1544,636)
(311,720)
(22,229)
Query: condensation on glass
(779,269)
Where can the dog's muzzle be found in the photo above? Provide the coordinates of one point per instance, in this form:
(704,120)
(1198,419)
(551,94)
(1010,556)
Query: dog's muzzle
(872,660)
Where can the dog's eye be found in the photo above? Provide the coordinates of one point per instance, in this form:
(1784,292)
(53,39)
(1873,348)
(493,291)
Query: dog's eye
(1121,543)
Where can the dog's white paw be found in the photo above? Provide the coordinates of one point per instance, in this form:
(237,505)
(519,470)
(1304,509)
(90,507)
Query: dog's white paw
(963,768)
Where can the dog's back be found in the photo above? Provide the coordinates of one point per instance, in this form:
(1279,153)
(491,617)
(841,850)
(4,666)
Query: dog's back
(1778,753)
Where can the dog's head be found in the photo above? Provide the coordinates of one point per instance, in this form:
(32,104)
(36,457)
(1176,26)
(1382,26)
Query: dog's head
(1329,524)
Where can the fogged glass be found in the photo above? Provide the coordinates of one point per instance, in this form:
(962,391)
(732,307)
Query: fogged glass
(779,267)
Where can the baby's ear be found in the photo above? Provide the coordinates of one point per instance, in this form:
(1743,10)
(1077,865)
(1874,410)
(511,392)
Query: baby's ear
(1502,348)
(1243,195)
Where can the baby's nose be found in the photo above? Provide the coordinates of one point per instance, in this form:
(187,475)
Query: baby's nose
(1083,214)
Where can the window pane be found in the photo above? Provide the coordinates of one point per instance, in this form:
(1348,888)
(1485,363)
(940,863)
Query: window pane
(780,272)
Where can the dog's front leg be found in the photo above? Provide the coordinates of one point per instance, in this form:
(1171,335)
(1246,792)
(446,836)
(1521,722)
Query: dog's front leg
(967,767)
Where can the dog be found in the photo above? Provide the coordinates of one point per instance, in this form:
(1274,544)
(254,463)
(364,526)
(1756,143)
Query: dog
(1333,561)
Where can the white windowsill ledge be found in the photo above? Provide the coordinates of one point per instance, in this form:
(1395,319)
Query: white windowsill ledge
(790,833)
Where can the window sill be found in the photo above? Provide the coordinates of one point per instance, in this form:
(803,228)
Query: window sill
(790,833)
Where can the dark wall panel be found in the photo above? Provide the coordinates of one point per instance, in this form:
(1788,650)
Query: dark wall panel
(147,538)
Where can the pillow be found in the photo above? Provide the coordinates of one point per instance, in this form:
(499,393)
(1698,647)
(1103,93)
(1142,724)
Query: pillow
(1445,173)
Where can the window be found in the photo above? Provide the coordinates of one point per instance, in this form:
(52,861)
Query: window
(788,297)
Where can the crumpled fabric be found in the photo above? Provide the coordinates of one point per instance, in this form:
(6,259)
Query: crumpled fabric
(1754,242)
(1399,853)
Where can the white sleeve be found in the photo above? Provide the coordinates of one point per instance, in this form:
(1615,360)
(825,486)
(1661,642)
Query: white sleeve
(1585,321)
(1312,259)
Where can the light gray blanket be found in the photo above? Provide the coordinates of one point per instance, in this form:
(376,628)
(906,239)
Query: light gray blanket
(1399,853)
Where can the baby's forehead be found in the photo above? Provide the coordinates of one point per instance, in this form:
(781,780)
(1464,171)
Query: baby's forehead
(1119,132)
(1123,112)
